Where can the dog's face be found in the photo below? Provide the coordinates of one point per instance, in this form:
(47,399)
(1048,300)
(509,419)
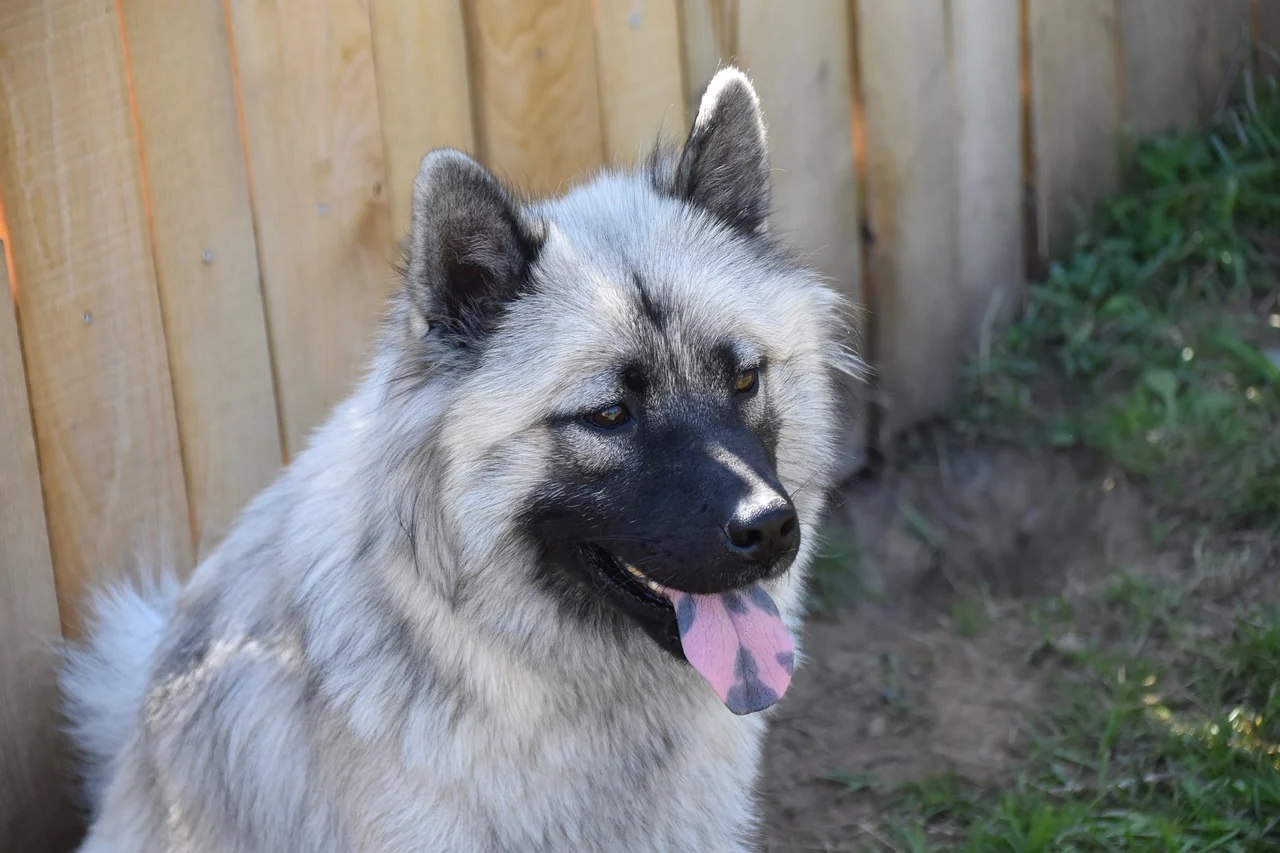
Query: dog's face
(644,385)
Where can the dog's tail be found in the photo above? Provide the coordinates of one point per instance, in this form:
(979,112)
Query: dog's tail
(104,677)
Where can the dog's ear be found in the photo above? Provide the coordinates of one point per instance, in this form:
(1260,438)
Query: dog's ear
(470,247)
(724,167)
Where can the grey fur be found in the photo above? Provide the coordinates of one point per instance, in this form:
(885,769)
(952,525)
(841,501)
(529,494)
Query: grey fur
(376,658)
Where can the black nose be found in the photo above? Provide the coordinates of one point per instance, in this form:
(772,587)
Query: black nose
(763,535)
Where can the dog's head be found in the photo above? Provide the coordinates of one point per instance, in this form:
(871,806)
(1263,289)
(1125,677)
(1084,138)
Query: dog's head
(640,387)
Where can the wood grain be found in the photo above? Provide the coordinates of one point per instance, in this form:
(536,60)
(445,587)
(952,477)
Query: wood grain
(1075,108)
(799,59)
(88,308)
(535,89)
(641,76)
(912,185)
(34,808)
(205,256)
(310,107)
(710,29)
(985,61)
(1177,55)
(424,99)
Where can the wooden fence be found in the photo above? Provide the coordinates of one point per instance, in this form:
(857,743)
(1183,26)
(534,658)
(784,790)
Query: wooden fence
(201,199)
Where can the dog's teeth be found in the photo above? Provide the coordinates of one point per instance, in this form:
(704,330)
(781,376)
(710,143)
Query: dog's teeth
(638,575)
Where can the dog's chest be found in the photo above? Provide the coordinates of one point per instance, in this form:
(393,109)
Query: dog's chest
(587,784)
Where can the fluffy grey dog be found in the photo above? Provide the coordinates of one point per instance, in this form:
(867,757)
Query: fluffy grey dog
(532,584)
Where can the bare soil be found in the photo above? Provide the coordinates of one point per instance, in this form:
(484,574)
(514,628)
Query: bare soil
(926,668)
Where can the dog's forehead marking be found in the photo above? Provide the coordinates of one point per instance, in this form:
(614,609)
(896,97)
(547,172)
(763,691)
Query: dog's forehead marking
(626,320)
(651,309)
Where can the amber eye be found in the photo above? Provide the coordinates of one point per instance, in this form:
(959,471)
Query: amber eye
(746,381)
(610,417)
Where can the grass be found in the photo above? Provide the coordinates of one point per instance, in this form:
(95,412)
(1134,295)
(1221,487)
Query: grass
(1156,346)
(834,579)
(1157,343)
(1175,750)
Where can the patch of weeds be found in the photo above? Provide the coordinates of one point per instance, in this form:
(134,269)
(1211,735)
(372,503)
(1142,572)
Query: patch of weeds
(853,783)
(1156,342)
(1162,752)
(1135,606)
(969,615)
(920,528)
(835,578)
(895,690)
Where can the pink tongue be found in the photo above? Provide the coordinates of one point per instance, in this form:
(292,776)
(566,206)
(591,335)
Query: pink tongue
(737,641)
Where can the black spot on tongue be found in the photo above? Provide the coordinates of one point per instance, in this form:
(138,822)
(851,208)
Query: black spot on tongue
(686,613)
(748,694)
(738,642)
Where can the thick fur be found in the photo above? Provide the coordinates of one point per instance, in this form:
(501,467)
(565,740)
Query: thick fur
(381,656)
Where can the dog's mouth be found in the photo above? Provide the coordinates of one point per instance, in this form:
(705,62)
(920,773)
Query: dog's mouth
(735,639)
(629,583)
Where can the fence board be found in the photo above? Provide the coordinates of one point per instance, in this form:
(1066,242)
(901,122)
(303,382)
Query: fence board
(420,52)
(710,29)
(34,808)
(316,168)
(205,257)
(1177,54)
(89,311)
(799,59)
(912,192)
(1075,108)
(986,63)
(534,81)
(641,77)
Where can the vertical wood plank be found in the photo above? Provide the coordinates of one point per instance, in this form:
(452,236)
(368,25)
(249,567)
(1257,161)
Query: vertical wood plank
(89,311)
(641,76)
(912,192)
(34,808)
(205,256)
(985,47)
(1075,104)
(710,29)
(310,113)
(799,59)
(424,89)
(1177,54)
(534,81)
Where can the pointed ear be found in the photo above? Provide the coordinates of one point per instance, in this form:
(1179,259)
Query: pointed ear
(724,167)
(470,247)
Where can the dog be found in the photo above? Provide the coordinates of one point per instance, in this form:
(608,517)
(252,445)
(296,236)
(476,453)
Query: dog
(533,586)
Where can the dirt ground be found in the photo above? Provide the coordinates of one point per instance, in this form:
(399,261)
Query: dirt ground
(909,679)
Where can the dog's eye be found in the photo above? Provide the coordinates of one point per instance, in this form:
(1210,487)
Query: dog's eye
(610,417)
(746,381)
